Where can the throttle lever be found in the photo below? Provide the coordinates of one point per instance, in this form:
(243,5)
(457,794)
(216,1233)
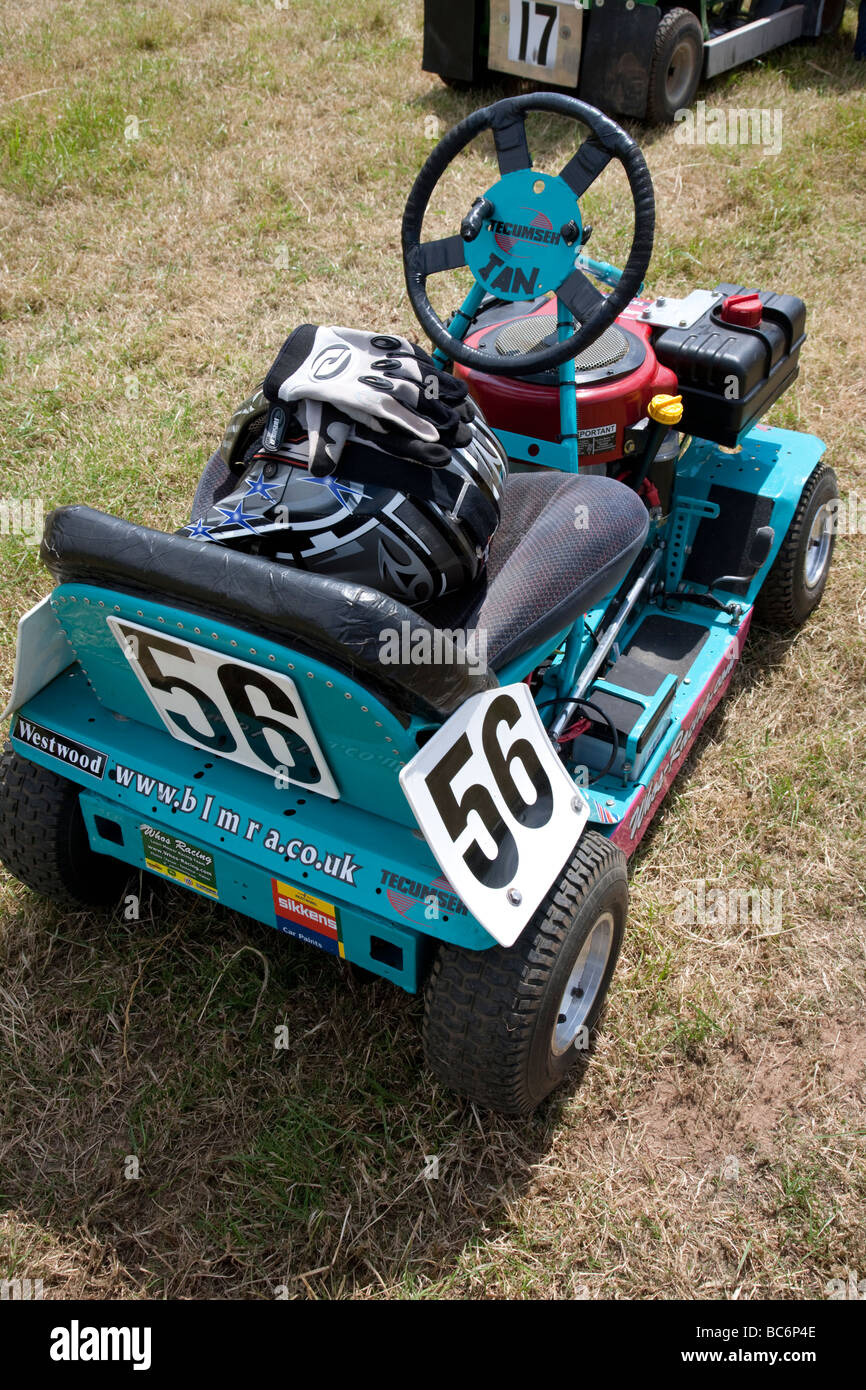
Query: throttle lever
(475,218)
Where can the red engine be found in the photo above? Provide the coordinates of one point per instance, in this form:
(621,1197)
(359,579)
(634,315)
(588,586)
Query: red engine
(616,377)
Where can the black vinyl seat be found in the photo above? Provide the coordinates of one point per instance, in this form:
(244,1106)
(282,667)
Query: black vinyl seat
(564,541)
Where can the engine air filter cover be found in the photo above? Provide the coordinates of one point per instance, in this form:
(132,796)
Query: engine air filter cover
(616,378)
(614,354)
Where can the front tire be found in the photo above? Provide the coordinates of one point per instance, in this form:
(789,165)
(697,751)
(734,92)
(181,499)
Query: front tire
(798,576)
(43,838)
(505,1026)
(675,66)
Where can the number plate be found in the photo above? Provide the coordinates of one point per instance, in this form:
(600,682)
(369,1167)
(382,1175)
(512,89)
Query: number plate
(497,808)
(538,41)
(227,707)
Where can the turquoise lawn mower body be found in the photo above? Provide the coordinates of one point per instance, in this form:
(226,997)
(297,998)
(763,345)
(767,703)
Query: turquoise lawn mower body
(327,761)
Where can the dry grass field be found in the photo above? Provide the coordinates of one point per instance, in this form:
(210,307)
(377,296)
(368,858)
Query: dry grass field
(179,186)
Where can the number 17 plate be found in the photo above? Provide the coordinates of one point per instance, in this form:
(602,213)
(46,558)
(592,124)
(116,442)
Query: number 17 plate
(535,40)
(497,808)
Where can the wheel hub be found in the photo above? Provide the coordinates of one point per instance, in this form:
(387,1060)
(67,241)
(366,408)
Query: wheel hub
(584,983)
(818,547)
(679,72)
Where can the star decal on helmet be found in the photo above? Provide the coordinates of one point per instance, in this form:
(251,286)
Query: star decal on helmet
(199,529)
(344,493)
(259,488)
(237,516)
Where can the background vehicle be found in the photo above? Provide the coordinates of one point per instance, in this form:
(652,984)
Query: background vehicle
(629,57)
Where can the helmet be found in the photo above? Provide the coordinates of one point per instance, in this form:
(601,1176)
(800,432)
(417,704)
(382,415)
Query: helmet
(397,525)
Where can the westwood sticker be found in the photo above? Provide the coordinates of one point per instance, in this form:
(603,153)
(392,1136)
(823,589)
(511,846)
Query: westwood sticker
(65,750)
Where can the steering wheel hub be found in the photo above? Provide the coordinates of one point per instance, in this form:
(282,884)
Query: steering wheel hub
(520,239)
(520,251)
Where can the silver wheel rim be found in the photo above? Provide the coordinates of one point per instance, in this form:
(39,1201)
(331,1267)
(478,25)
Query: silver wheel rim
(818,547)
(680,72)
(584,983)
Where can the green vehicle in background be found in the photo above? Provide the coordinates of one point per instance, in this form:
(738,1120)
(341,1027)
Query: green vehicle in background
(629,57)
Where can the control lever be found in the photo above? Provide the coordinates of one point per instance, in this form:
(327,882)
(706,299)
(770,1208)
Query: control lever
(475,218)
(762,544)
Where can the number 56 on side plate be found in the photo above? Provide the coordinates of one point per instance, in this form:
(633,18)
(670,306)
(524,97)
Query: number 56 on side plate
(497,807)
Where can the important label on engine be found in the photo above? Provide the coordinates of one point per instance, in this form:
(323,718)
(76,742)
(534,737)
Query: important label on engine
(597,440)
(177,859)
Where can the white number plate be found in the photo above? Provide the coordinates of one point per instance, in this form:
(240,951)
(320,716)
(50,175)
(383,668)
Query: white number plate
(535,40)
(227,707)
(497,808)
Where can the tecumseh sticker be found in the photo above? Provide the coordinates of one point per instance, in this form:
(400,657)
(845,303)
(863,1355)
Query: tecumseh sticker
(65,750)
(307,918)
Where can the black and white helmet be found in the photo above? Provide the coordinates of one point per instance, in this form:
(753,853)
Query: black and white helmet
(381,520)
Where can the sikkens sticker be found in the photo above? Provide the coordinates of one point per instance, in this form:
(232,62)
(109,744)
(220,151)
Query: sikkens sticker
(307,917)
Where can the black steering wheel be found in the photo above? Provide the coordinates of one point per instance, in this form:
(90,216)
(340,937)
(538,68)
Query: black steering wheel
(521,237)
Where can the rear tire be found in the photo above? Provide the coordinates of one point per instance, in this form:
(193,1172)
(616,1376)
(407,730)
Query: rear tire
(798,576)
(506,1025)
(675,66)
(43,838)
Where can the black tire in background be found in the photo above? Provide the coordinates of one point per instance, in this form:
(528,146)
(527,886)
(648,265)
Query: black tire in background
(675,66)
(43,838)
(831,17)
(798,576)
(505,1026)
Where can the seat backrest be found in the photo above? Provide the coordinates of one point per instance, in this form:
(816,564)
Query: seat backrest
(275,671)
(410,666)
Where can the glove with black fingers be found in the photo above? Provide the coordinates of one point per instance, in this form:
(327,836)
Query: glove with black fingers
(329,430)
(386,384)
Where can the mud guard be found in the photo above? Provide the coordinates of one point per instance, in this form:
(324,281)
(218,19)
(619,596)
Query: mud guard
(453,39)
(618,44)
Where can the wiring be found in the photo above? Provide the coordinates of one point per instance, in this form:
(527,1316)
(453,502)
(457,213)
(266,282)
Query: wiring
(588,704)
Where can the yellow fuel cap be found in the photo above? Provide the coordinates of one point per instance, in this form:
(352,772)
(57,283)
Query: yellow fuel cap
(666,410)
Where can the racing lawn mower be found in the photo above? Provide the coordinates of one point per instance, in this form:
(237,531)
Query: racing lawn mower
(296,729)
(638,58)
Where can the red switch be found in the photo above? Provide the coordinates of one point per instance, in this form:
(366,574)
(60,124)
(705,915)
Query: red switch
(745,310)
